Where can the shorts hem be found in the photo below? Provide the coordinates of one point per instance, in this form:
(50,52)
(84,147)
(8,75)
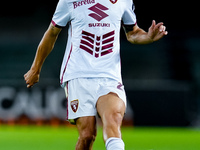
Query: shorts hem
(72,119)
(121,96)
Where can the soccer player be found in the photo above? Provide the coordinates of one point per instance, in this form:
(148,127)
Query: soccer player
(91,69)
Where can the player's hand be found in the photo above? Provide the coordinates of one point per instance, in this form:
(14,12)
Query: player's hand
(31,77)
(157,31)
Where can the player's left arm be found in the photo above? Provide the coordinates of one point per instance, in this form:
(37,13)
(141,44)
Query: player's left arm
(137,35)
(45,47)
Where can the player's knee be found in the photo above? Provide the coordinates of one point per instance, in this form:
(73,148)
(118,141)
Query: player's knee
(87,140)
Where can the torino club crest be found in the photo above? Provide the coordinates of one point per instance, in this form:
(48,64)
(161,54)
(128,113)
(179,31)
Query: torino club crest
(74,105)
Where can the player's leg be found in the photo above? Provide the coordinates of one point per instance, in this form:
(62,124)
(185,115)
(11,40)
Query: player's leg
(81,104)
(111,110)
(87,132)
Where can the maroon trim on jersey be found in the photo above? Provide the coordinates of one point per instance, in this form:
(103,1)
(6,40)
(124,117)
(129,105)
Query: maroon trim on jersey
(55,25)
(66,64)
(67,102)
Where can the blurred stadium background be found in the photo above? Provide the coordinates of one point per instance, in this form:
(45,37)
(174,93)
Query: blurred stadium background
(162,79)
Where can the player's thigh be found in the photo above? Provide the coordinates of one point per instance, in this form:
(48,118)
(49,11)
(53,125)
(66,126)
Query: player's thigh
(86,126)
(111,107)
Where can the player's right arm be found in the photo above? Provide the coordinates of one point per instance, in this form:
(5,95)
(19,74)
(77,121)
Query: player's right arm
(45,47)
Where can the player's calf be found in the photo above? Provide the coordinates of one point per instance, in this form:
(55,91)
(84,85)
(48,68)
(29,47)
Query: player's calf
(111,128)
(87,132)
(111,124)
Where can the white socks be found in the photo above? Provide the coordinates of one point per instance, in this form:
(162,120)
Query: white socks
(114,144)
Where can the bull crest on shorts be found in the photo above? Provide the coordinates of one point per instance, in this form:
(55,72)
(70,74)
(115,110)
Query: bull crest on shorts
(74,105)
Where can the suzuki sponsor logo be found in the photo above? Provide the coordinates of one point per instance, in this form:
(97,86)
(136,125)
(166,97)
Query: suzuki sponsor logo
(98,12)
(96,45)
(99,24)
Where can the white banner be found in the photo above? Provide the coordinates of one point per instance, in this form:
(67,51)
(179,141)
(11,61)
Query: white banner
(35,103)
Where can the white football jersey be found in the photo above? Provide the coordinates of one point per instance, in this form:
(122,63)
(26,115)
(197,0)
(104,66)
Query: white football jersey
(93,48)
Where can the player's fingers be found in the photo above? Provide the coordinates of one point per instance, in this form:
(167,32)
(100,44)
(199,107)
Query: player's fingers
(29,86)
(161,28)
(25,75)
(28,83)
(158,25)
(164,29)
(153,23)
(165,33)
(26,79)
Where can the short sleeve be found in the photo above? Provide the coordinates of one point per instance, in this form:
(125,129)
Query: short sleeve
(62,14)
(129,17)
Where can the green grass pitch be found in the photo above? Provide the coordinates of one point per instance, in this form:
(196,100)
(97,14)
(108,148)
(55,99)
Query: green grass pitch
(64,138)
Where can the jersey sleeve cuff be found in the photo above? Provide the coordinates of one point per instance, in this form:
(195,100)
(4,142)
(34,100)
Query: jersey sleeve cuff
(128,27)
(55,25)
(126,24)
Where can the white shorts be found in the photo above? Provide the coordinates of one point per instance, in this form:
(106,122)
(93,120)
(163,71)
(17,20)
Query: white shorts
(83,93)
